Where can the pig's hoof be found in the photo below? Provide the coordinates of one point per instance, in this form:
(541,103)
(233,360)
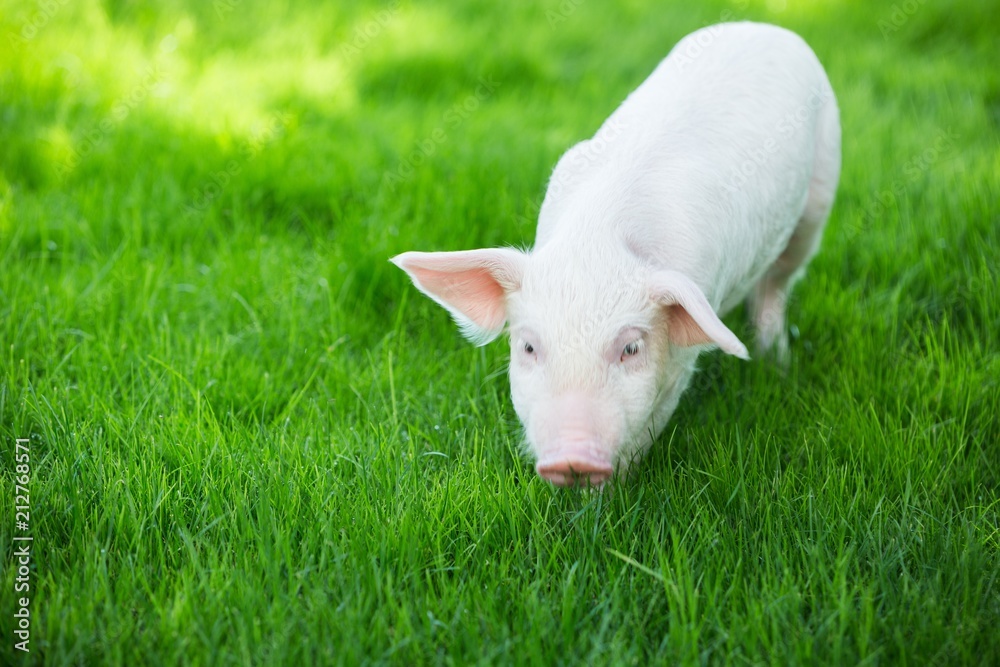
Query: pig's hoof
(575,471)
(775,348)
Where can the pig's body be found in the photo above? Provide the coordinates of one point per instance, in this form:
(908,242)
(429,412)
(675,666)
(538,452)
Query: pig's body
(711,183)
(708,164)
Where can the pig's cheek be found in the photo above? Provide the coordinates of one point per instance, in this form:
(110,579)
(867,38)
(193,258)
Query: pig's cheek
(519,394)
(637,388)
(530,398)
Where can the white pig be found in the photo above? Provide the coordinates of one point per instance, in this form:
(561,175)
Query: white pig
(710,184)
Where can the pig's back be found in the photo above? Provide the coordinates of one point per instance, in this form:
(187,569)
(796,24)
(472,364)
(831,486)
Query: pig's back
(705,167)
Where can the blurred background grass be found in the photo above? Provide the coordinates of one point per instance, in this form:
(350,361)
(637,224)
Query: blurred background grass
(129,127)
(216,166)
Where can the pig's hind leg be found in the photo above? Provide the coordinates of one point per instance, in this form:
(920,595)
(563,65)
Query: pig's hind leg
(767,303)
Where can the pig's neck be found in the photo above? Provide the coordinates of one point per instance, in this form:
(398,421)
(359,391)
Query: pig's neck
(598,233)
(669,218)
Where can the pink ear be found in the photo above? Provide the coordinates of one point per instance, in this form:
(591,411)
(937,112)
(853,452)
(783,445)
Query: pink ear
(472,285)
(690,318)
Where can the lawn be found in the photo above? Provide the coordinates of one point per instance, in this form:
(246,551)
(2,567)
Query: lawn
(250,441)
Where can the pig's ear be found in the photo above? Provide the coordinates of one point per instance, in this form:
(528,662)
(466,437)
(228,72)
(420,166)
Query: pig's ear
(472,285)
(691,320)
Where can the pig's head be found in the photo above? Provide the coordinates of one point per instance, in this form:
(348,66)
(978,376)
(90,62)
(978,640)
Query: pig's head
(601,348)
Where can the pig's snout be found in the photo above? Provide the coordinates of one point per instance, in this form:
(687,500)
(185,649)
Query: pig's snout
(569,468)
(573,441)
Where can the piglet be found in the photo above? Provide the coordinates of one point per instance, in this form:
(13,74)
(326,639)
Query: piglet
(710,184)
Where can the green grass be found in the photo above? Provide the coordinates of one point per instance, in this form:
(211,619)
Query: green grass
(252,442)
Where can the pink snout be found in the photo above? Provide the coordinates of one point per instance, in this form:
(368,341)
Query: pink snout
(570,468)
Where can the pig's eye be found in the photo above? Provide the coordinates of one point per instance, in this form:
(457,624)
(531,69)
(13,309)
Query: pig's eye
(630,350)
(525,347)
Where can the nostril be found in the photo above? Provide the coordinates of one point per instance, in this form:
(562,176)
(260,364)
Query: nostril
(570,472)
(557,478)
(597,479)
